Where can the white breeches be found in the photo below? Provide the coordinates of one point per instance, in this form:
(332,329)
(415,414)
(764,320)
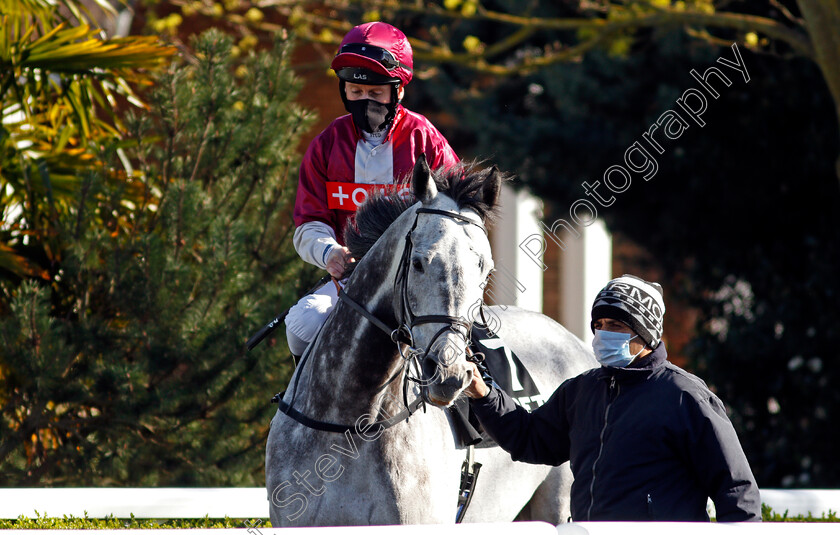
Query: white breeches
(307,316)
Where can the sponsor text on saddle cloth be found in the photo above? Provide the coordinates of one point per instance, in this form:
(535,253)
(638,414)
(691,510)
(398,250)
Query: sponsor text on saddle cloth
(507,372)
(506,369)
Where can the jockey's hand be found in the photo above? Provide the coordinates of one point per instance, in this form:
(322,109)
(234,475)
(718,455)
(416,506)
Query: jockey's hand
(337,261)
(477,388)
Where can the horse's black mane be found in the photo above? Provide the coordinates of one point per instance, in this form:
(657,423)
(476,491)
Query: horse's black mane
(462,182)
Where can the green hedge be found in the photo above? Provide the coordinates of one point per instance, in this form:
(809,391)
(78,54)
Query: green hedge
(769,515)
(70,522)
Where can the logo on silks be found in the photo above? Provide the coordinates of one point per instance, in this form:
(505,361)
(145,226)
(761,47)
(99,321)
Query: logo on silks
(349,196)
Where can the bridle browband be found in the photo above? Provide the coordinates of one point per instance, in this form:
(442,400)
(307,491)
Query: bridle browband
(402,335)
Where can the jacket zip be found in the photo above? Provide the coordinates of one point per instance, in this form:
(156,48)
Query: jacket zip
(612,399)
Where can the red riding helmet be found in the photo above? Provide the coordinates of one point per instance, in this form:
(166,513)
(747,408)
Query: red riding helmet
(374,53)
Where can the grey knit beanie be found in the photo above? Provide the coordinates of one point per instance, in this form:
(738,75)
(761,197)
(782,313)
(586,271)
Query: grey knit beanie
(634,301)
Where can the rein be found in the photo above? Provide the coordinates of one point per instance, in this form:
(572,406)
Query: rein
(401,336)
(354,429)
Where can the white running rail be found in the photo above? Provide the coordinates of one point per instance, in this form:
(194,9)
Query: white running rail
(507,528)
(252,502)
(142,502)
(695,528)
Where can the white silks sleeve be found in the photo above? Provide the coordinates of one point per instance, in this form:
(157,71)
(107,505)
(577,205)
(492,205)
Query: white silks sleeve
(313,241)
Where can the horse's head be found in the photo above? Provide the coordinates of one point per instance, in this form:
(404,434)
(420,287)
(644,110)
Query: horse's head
(444,265)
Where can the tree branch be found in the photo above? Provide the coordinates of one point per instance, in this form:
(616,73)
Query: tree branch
(527,25)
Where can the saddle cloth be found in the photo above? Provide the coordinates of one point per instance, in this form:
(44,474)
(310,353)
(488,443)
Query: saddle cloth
(508,373)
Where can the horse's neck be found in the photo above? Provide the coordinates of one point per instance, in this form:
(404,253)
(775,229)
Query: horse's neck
(351,361)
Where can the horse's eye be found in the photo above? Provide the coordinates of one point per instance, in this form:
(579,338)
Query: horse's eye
(417,265)
(481,264)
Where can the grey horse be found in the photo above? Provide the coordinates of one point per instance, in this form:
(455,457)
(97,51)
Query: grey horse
(361,438)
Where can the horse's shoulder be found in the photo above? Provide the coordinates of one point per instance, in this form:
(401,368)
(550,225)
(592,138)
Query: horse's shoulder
(515,313)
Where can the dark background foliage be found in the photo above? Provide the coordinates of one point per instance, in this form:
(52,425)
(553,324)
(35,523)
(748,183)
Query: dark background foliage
(741,217)
(128,366)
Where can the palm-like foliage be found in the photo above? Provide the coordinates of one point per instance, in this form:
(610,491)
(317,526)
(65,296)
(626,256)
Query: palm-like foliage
(130,368)
(59,86)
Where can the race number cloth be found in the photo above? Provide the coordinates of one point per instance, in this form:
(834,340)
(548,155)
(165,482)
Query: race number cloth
(349,195)
(507,370)
(508,373)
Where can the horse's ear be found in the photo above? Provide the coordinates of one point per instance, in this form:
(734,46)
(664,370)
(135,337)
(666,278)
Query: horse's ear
(422,183)
(491,187)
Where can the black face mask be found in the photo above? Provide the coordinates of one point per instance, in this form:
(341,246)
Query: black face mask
(370,115)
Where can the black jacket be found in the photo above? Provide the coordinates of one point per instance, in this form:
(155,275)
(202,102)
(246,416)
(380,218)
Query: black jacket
(645,443)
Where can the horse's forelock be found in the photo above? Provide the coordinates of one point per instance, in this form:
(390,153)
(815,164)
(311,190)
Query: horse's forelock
(463,183)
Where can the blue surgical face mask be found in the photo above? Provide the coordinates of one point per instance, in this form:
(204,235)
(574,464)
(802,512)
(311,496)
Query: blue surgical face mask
(613,349)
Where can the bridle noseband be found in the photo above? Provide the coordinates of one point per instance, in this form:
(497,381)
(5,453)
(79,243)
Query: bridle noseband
(402,335)
(406,318)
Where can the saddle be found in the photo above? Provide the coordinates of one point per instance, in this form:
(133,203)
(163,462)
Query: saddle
(505,370)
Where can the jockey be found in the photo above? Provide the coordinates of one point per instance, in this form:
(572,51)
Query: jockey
(374,146)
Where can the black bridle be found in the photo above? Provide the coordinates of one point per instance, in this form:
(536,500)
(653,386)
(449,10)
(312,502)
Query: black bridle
(402,336)
(406,318)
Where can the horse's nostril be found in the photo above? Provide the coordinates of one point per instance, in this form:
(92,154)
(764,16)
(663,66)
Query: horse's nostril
(430,368)
(450,386)
(453,383)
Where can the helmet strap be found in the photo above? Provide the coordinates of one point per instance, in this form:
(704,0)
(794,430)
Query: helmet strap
(341,91)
